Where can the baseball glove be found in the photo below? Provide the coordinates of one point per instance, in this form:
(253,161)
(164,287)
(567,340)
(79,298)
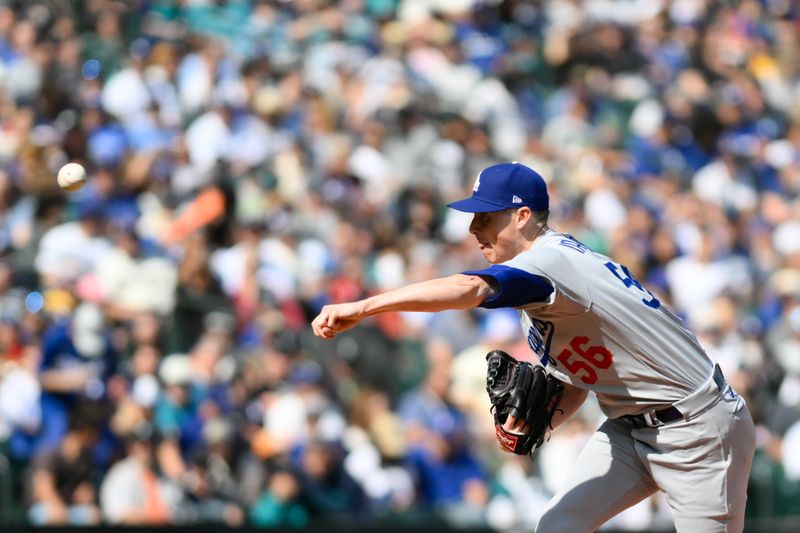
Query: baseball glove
(524,391)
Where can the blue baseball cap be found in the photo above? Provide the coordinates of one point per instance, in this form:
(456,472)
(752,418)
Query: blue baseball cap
(506,186)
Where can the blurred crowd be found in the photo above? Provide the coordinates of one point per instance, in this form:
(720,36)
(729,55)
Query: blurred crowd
(252,160)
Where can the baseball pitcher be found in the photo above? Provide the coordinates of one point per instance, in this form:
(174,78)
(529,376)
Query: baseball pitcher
(674,424)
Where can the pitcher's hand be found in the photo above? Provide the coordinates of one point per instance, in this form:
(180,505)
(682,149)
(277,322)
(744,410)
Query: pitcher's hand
(337,318)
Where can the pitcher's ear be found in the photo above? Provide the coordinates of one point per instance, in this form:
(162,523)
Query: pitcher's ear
(524,215)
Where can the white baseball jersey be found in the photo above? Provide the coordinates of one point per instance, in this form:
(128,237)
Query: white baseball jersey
(593,325)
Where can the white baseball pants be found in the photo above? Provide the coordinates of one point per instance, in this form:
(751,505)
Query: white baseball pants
(702,464)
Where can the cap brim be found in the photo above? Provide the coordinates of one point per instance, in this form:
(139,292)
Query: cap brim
(475,205)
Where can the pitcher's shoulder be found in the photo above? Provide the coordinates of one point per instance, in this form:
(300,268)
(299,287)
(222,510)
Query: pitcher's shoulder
(553,250)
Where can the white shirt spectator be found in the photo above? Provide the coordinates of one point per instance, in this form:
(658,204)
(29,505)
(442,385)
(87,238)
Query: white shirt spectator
(228,265)
(695,283)
(195,82)
(125,94)
(714,183)
(374,170)
(789,455)
(252,141)
(604,210)
(137,285)
(19,402)
(123,494)
(207,139)
(66,252)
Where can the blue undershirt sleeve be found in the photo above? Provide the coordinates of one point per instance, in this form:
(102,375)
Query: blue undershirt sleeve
(513,287)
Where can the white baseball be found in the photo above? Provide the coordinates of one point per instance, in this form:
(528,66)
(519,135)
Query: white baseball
(71,177)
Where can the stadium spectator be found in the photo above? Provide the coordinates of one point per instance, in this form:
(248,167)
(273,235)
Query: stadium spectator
(62,489)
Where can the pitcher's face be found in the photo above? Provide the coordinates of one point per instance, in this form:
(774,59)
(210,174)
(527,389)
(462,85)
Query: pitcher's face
(497,235)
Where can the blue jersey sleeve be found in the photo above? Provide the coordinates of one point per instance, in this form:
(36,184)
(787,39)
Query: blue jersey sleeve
(514,287)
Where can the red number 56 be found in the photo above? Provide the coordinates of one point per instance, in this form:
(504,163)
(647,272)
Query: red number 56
(588,357)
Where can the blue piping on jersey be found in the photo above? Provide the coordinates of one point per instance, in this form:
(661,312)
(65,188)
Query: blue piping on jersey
(515,287)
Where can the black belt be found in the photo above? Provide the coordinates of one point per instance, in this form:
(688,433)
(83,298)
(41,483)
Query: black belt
(668,414)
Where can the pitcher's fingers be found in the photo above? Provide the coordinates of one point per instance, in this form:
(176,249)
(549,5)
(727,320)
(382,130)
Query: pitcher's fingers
(510,422)
(521,426)
(516,425)
(331,321)
(322,327)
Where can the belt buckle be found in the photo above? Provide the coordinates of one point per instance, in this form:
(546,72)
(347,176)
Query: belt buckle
(650,419)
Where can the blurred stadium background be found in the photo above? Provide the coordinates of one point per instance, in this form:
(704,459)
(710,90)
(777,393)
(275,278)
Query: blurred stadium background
(252,160)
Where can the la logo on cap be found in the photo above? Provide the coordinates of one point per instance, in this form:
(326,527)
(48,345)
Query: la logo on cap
(477,183)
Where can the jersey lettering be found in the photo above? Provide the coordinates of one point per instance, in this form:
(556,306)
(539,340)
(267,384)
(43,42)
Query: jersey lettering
(573,244)
(627,278)
(588,359)
(540,333)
